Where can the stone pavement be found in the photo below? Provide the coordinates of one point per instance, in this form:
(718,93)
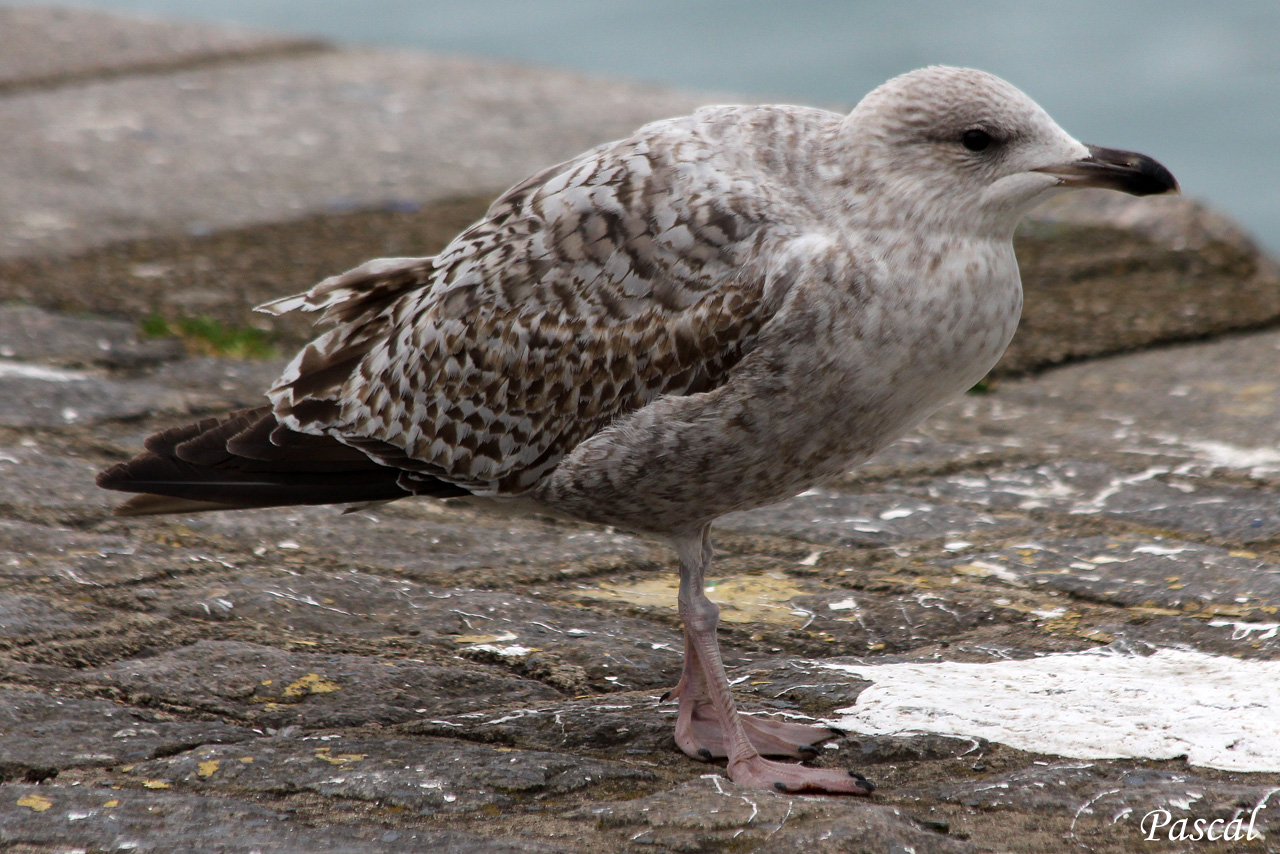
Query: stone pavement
(430,678)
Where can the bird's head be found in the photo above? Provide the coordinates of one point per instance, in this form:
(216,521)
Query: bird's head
(963,149)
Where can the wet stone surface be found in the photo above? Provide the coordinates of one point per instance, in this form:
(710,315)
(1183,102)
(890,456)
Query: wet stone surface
(426,776)
(712,814)
(1140,572)
(31,334)
(622,725)
(1155,497)
(303,680)
(275,688)
(589,651)
(1104,800)
(46,733)
(869,520)
(1224,635)
(43,818)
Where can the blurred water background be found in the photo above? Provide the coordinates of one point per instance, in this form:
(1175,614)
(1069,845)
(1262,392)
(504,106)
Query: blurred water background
(1192,83)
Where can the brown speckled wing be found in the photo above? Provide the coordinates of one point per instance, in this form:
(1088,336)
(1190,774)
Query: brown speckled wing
(588,291)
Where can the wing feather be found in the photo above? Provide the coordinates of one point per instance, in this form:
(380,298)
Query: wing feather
(640,269)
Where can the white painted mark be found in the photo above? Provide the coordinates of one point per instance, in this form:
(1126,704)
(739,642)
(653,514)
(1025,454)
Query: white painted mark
(1161,550)
(1244,631)
(1099,501)
(1216,710)
(1258,461)
(512,651)
(24,371)
(900,512)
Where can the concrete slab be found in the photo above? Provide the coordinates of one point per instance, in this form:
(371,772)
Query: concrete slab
(632,724)
(275,688)
(1213,405)
(30,334)
(414,540)
(28,468)
(573,649)
(61,818)
(712,815)
(1250,637)
(1155,497)
(426,776)
(1200,409)
(45,734)
(39,396)
(209,149)
(1107,273)
(824,515)
(45,47)
(1136,572)
(1111,804)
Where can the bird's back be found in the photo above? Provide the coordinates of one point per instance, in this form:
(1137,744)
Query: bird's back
(639,269)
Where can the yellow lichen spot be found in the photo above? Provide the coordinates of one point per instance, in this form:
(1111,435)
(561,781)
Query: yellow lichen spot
(266,681)
(1214,610)
(1064,623)
(347,757)
(1150,609)
(39,803)
(312,683)
(742,598)
(304,643)
(338,758)
(977,569)
(114,802)
(1244,554)
(876,647)
(246,759)
(207,768)
(156,784)
(127,768)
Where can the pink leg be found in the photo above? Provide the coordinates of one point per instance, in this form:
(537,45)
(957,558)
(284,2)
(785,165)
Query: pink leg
(704,691)
(698,730)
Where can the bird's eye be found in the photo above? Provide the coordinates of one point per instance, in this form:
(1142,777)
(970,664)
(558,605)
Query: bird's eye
(975,139)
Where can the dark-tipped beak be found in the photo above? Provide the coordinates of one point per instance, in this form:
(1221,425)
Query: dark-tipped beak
(1112,169)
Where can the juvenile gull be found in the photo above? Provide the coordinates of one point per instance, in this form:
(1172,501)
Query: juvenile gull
(716,313)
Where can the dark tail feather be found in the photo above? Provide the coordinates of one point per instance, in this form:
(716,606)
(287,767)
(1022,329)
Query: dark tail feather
(248,460)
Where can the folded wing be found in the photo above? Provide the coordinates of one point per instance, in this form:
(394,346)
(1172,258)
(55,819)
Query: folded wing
(588,291)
